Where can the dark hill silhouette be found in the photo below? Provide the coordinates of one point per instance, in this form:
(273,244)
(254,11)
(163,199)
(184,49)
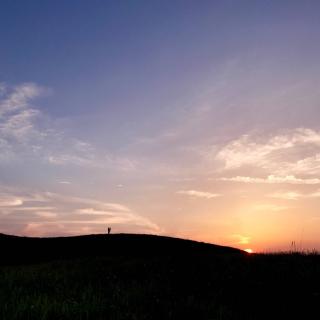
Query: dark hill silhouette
(127,276)
(29,250)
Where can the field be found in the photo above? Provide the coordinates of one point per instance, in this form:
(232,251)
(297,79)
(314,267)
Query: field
(149,277)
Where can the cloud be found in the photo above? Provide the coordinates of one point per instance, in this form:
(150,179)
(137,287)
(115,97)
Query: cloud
(240,239)
(286,195)
(46,213)
(17,120)
(20,126)
(18,98)
(314,194)
(84,160)
(293,195)
(66,151)
(26,132)
(271,179)
(10,201)
(199,194)
(269,207)
(64,182)
(121,163)
(292,152)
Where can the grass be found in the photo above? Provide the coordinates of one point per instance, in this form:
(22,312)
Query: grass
(163,286)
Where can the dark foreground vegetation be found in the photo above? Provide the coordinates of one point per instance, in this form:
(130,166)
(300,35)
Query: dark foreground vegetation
(148,277)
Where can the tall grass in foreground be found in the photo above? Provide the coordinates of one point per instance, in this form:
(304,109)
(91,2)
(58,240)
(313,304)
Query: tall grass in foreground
(258,286)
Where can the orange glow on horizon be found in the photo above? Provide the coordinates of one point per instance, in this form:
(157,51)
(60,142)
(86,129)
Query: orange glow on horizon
(248,250)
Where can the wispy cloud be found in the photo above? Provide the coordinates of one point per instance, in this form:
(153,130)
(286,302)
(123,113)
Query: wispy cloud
(286,195)
(10,201)
(199,194)
(269,207)
(64,182)
(292,152)
(18,98)
(240,239)
(21,133)
(271,179)
(27,132)
(46,213)
(17,120)
(293,195)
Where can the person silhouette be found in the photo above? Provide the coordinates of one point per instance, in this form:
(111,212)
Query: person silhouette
(109,230)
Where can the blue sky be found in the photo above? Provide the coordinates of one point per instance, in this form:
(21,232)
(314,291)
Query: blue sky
(197,119)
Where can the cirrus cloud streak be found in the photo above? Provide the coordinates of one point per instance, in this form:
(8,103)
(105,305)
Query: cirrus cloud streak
(47,213)
(199,194)
(271,179)
(292,152)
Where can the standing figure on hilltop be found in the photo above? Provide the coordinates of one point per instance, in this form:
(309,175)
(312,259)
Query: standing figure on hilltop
(109,230)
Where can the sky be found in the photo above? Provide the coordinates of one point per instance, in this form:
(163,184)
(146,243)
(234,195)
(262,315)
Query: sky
(193,119)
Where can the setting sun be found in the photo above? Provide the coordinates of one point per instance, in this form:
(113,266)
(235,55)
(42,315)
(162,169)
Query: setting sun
(248,250)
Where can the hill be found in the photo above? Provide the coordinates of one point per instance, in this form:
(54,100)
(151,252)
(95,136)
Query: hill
(30,250)
(148,277)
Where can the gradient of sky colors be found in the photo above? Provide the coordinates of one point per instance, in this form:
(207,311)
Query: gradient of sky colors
(196,119)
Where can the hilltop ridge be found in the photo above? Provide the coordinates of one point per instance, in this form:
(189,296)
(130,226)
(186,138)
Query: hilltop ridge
(16,249)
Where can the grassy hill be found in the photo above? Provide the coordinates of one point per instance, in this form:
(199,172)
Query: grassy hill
(125,276)
(29,250)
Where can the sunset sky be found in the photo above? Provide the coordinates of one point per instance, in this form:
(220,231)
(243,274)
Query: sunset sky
(194,119)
